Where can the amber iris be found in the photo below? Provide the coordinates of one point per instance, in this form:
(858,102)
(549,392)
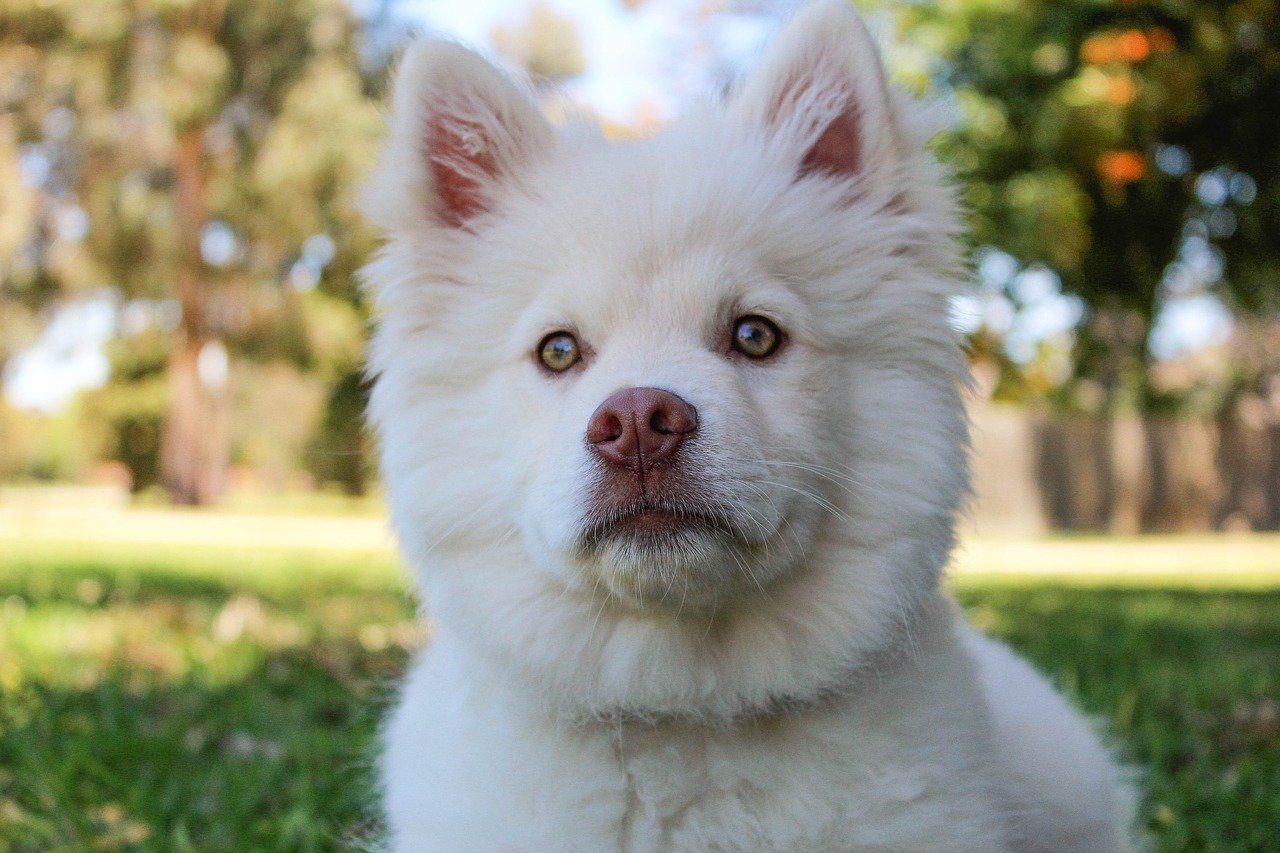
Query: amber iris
(756,337)
(559,351)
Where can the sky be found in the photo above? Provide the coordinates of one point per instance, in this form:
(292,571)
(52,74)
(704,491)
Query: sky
(67,358)
(661,53)
(648,60)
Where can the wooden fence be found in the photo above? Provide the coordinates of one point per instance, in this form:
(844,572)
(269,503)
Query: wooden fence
(1035,471)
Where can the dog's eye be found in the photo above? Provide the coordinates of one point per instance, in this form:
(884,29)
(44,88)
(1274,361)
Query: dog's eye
(559,351)
(755,337)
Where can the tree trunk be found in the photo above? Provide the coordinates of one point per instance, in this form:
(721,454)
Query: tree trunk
(195,446)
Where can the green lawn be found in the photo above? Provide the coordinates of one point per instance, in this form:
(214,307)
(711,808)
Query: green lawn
(215,698)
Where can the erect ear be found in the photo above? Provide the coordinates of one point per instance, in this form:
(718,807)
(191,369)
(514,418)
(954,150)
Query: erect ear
(821,90)
(459,129)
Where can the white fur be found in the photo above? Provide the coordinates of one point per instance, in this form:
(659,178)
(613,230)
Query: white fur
(808,687)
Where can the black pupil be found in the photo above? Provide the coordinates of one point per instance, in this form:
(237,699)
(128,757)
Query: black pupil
(754,336)
(559,349)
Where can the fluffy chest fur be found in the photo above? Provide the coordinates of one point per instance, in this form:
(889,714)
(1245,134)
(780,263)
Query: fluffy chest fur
(901,763)
(850,773)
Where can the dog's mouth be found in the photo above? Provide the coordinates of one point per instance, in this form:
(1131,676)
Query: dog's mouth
(657,523)
(653,553)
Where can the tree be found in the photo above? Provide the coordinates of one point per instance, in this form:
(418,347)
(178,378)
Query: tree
(212,147)
(18,214)
(1109,140)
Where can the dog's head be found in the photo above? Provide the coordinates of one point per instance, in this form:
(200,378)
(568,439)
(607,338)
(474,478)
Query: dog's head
(673,422)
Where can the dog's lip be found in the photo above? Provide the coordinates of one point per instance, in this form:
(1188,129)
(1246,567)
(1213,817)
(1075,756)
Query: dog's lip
(654,519)
(648,517)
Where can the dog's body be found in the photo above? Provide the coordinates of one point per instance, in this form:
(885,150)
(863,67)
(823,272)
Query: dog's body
(673,436)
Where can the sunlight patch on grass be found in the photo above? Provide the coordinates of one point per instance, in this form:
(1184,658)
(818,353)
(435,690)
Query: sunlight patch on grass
(1240,562)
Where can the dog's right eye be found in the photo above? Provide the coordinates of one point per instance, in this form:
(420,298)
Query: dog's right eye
(755,337)
(559,351)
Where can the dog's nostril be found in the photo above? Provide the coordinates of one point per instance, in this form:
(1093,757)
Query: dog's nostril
(676,418)
(605,426)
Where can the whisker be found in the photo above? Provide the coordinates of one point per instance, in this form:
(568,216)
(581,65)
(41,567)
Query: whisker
(466,519)
(842,480)
(818,499)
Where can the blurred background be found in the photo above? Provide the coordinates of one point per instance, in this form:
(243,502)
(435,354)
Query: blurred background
(181,322)
(193,561)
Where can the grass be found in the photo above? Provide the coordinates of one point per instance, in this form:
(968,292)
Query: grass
(171,697)
(1186,680)
(193,699)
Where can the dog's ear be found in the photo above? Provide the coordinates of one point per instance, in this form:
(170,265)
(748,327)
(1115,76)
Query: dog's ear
(821,90)
(459,128)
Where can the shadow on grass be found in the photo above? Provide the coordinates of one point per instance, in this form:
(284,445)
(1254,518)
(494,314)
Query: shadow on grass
(89,584)
(85,581)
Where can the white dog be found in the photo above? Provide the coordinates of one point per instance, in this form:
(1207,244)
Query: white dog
(673,437)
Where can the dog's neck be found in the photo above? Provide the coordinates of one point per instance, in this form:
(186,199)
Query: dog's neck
(888,661)
(777,707)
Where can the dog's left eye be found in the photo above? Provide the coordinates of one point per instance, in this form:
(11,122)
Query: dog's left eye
(559,351)
(755,337)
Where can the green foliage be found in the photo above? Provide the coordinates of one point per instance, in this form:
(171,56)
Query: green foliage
(279,409)
(132,412)
(128,413)
(213,147)
(1068,103)
(40,447)
(1086,133)
(340,451)
(307,155)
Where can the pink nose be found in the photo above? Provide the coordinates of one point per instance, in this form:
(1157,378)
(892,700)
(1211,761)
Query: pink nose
(639,427)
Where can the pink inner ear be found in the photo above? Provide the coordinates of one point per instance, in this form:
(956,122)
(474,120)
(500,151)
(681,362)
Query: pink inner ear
(459,156)
(839,149)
